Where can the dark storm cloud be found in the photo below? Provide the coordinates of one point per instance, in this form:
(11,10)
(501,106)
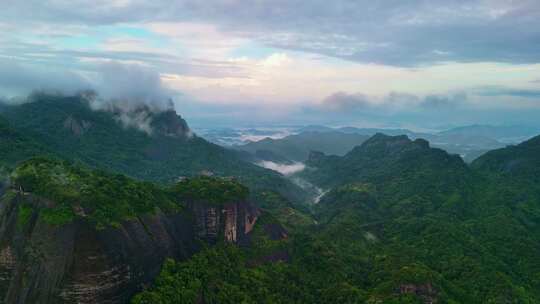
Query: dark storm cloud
(394,32)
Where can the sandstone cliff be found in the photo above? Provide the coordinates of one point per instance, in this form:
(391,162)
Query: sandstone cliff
(80,263)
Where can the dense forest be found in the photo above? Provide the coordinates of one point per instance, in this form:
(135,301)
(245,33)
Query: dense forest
(402,223)
(399,221)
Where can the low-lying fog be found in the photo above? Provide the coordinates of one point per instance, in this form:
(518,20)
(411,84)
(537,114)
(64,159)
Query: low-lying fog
(282,168)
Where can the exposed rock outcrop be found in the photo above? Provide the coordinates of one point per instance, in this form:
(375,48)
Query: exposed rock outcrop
(231,222)
(426,292)
(79,263)
(78,128)
(171,124)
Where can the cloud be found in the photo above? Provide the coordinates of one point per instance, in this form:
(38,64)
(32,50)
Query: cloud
(132,91)
(505,91)
(441,102)
(22,78)
(471,106)
(141,120)
(125,85)
(131,86)
(341,101)
(281,168)
(269,60)
(403,33)
(390,103)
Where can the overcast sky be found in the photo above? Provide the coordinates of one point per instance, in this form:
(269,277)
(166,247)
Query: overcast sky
(429,63)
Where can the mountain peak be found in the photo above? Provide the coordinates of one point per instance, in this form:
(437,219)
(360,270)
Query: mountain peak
(383,138)
(169,123)
(381,144)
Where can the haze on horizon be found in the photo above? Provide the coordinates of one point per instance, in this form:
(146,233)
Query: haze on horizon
(427,64)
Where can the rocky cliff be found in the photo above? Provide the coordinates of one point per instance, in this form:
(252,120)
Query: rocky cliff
(231,222)
(79,262)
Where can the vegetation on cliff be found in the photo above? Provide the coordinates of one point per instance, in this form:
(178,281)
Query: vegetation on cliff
(104,198)
(211,190)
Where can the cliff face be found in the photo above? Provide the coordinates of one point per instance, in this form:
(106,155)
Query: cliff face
(78,263)
(231,222)
(171,124)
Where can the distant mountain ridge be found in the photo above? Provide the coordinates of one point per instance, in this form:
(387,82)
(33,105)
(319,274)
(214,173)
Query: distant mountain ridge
(297,147)
(469,141)
(378,157)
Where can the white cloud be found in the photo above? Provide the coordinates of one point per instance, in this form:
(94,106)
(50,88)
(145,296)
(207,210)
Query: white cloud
(276,60)
(282,168)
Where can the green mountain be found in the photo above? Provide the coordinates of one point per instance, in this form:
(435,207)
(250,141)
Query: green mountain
(382,158)
(521,160)
(15,146)
(297,147)
(74,235)
(143,144)
(401,222)
(469,142)
(398,221)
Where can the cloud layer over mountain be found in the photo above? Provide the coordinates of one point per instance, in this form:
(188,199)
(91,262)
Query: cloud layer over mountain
(279,57)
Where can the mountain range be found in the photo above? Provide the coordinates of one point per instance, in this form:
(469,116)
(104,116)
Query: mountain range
(102,205)
(469,142)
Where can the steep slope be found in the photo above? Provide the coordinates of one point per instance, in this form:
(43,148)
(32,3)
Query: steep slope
(297,147)
(71,235)
(400,223)
(141,143)
(445,232)
(521,160)
(382,158)
(15,146)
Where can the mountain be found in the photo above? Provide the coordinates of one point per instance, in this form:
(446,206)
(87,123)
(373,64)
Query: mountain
(315,128)
(297,147)
(425,207)
(469,145)
(73,235)
(400,222)
(144,144)
(398,219)
(521,160)
(341,140)
(382,156)
(469,141)
(15,146)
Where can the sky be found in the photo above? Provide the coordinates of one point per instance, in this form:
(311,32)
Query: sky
(419,63)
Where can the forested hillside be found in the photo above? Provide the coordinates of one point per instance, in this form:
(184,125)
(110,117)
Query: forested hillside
(401,223)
